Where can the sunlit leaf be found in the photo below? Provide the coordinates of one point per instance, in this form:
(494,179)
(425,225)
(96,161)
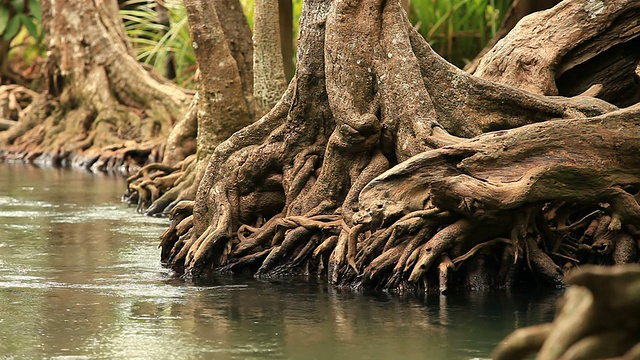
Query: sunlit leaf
(29,23)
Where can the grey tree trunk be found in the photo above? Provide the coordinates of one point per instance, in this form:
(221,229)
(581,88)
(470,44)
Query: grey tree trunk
(269,79)
(224,104)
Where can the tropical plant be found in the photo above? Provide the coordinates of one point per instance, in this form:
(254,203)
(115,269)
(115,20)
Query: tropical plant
(20,40)
(15,14)
(156,43)
(458,29)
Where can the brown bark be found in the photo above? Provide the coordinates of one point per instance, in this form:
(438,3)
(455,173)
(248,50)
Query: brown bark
(607,32)
(223,104)
(286,37)
(102,110)
(517,10)
(362,171)
(165,20)
(5,71)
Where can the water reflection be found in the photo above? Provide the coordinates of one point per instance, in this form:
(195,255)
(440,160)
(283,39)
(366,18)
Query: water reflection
(80,277)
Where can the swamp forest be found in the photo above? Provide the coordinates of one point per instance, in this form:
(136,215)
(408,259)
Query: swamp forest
(296,179)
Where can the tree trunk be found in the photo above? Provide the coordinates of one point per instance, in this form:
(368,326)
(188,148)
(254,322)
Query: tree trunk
(286,37)
(362,172)
(223,105)
(102,110)
(269,79)
(164,19)
(5,71)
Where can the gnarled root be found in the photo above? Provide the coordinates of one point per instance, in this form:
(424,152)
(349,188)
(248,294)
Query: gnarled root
(366,178)
(153,181)
(597,318)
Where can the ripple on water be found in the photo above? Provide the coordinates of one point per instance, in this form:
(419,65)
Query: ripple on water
(12,201)
(107,212)
(24,282)
(22,214)
(23,227)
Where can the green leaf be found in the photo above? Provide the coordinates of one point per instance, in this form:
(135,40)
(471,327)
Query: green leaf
(29,23)
(12,28)
(4,18)
(36,10)
(17,5)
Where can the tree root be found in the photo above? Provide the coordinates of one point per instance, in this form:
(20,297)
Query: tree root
(367,180)
(154,182)
(99,134)
(597,318)
(15,103)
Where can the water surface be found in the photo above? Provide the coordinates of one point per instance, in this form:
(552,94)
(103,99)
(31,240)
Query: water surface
(80,279)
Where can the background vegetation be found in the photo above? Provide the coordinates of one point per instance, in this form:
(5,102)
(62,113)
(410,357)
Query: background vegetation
(156,43)
(456,29)
(20,39)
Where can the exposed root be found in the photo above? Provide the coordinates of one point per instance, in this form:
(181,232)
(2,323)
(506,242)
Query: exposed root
(153,181)
(597,318)
(15,103)
(522,342)
(364,178)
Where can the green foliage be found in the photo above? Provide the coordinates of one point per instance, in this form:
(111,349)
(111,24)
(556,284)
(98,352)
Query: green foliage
(155,43)
(21,35)
(4,18)
(458,29)
(247,8)
(17,13)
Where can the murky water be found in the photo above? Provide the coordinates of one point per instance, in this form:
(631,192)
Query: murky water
(80,278)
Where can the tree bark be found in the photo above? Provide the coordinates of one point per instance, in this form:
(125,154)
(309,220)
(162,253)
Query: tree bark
(286,37)
(268,67)
(606,29)
(102,110)
(164,19)
(362,172)
(517,10)
(224,103)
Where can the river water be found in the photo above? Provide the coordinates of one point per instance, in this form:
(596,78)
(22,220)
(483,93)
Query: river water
(80,279)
